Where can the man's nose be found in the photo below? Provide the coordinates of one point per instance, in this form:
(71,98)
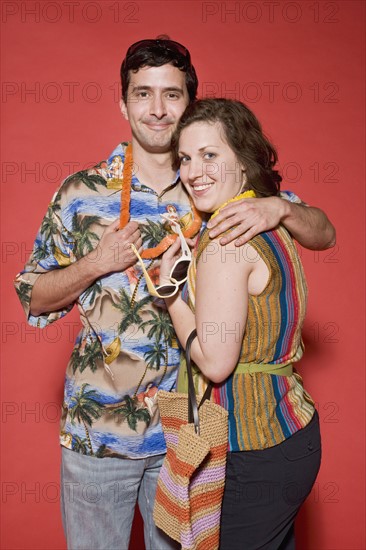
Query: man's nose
(157,106)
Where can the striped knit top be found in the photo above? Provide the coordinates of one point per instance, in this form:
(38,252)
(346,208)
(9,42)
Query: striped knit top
(265,409)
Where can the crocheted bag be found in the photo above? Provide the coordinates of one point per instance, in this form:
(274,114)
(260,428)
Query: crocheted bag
(191,481)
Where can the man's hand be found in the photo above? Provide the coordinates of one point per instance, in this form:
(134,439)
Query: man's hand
(248,217)
(60,288)
(113,252)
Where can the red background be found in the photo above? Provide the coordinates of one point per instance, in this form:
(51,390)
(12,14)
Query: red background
(299,66)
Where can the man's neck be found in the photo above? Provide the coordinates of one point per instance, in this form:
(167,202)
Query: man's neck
(153,169)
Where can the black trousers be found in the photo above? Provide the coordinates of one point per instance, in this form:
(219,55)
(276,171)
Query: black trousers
(265,489)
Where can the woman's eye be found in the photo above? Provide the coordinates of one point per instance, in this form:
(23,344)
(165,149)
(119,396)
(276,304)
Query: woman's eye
(183,160)
(209,156)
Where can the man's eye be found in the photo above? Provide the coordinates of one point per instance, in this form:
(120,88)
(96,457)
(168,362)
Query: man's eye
(142,95)
(173,95)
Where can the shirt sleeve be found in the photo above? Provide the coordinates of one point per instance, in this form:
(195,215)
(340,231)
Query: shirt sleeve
(53,249)
(292,197)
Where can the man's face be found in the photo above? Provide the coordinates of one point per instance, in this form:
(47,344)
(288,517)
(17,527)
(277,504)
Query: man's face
(156,99)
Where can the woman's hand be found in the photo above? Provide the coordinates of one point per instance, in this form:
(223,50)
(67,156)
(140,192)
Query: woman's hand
(167,262)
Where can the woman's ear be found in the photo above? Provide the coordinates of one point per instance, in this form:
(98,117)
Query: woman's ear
(244,178)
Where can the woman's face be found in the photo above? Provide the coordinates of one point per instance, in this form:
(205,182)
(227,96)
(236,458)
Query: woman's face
(209,169)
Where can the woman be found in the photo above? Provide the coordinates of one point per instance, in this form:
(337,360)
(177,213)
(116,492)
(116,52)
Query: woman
(248,306)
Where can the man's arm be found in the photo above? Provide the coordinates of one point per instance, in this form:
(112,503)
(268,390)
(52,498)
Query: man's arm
(61,287)
(249,217)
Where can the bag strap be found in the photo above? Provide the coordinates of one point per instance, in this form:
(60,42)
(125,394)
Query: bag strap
(192,398)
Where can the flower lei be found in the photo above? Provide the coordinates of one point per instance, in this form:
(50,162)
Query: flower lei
(126,188)
(149,253)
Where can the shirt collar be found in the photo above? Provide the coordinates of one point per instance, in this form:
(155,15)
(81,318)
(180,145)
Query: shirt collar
(119,151)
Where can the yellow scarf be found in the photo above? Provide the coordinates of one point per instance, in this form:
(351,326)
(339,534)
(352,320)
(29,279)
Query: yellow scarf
(245,195)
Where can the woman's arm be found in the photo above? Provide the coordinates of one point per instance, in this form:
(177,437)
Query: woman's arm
(221,308)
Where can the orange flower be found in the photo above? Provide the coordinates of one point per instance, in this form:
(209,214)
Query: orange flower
(166,242)
(126,188)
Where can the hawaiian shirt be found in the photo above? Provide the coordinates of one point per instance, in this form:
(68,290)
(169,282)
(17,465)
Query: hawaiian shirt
(127,348)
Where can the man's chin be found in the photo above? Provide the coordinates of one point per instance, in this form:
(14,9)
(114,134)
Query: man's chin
(157,145)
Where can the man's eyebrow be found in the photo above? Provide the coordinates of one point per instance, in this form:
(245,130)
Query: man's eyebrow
(149,88)
(173,89)
(140,87)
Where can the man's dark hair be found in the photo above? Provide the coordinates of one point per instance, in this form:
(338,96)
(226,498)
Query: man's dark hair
(154,53)
(243,133)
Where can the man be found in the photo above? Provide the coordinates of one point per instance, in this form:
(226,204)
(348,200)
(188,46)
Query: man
(112,443)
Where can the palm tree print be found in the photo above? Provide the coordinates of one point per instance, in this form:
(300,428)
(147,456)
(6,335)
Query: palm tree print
(130,311)
(79,445)
(152,233)
(90,356)
(55,204)
(161,328)
(49,226)
(130,412)
(90,180)
(23,291)
(82,235)
(85,408)
(91,292)
(155,356)
(41,252)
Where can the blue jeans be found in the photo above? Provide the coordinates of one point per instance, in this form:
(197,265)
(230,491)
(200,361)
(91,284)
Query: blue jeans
(98,499)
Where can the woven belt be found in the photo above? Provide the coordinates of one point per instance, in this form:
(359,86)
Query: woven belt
(280,369)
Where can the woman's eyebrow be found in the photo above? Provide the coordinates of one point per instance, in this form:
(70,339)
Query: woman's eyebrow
(201,148)
(206,146)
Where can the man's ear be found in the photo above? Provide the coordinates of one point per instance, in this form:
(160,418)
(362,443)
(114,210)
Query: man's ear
(123,107)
